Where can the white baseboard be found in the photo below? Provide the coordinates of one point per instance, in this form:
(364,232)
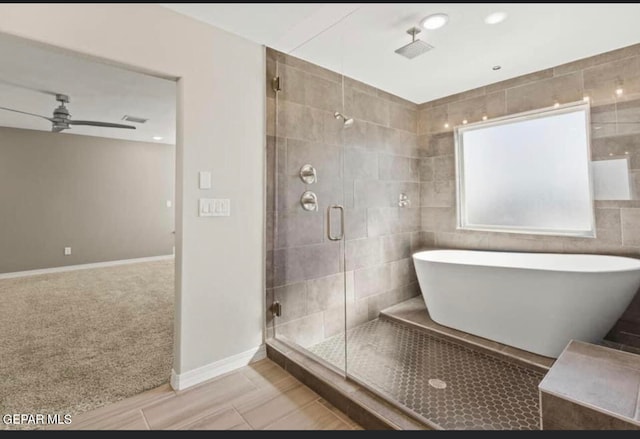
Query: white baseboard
(196,376)
(83,266)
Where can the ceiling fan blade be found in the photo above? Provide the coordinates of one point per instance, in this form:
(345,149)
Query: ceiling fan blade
(26,87)
(100,124)
(24,112)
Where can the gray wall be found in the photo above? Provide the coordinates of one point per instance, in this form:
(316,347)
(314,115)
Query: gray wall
(105,198)
(365,168)
(615,134)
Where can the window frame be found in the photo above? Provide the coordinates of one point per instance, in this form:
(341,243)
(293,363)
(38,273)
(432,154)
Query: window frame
(510,119)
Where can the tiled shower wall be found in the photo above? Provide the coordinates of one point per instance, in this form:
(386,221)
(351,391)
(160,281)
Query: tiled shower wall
(382,157)
(365,168)
(615,134)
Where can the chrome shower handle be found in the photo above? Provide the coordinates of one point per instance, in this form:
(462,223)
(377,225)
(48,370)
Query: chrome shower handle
(309,201)
(340,237)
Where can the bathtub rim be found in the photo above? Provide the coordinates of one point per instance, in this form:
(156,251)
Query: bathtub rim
(416,256)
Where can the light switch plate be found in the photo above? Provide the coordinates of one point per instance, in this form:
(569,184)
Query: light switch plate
(214,207)
(205,180)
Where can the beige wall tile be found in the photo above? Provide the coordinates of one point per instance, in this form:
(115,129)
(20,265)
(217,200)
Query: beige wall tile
(520,80)
(356,136)
(607,57)
(372,280)
(439,193)
(560,414)
(397,100)
(630,219)
(305,331)
(398,168)
(303,263)
(310,68)
(436,118)
(271,117)
(438,219)
(600,82)
(444,168)
(321,93)
(403,118)
(293,299)
(355,223)
(545,93)
(396,246)
(401,273)
(459,96)
(402,143)
(292,83)
(473,240)
(360,86)
(361,253)
(326,293)
(426,169)
(297,121)
(360,164)
(367,107)
(442,144)
(298,227)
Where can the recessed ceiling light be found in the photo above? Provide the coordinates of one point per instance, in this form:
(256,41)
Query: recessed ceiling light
(435,21)
(157,137)
(484,117)
(464,122)
(495,18)
(446,124)
(496,67)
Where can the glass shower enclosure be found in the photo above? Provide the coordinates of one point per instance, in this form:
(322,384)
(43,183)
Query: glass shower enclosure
(343,207)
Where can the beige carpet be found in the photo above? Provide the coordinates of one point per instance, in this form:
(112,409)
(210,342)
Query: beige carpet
(74,341)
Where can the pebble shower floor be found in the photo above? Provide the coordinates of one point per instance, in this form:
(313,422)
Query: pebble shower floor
(411,367)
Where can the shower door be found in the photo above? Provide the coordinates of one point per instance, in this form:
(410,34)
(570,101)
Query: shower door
(307,211)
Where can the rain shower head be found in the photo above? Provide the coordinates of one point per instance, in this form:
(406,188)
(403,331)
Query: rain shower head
(415,47)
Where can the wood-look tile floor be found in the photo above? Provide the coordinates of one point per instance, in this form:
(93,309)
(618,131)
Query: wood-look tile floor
(261,396)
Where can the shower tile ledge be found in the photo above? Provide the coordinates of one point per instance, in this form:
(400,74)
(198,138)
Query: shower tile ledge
(413,312)
(592,387)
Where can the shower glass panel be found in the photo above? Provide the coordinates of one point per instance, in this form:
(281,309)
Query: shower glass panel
(307,221)
(378,183)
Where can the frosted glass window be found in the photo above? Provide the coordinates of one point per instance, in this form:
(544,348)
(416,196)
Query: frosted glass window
(527,174)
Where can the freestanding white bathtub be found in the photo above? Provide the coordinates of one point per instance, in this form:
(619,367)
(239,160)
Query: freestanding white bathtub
(535,302)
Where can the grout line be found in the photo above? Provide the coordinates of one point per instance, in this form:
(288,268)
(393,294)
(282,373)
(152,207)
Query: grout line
(241,416)
(144,418)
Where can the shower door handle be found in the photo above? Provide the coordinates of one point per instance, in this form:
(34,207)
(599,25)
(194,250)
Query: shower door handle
(340,237)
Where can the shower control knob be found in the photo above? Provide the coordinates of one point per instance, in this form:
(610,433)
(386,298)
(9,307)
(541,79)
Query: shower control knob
(308,174)
(309,201)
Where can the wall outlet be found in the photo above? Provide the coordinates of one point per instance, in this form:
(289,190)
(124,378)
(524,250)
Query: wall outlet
(67,251)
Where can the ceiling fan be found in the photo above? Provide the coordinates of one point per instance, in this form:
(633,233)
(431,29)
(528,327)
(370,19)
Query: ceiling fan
(61,119)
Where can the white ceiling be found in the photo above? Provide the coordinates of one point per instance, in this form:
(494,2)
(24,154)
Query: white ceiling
(30,75)
(359,39)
